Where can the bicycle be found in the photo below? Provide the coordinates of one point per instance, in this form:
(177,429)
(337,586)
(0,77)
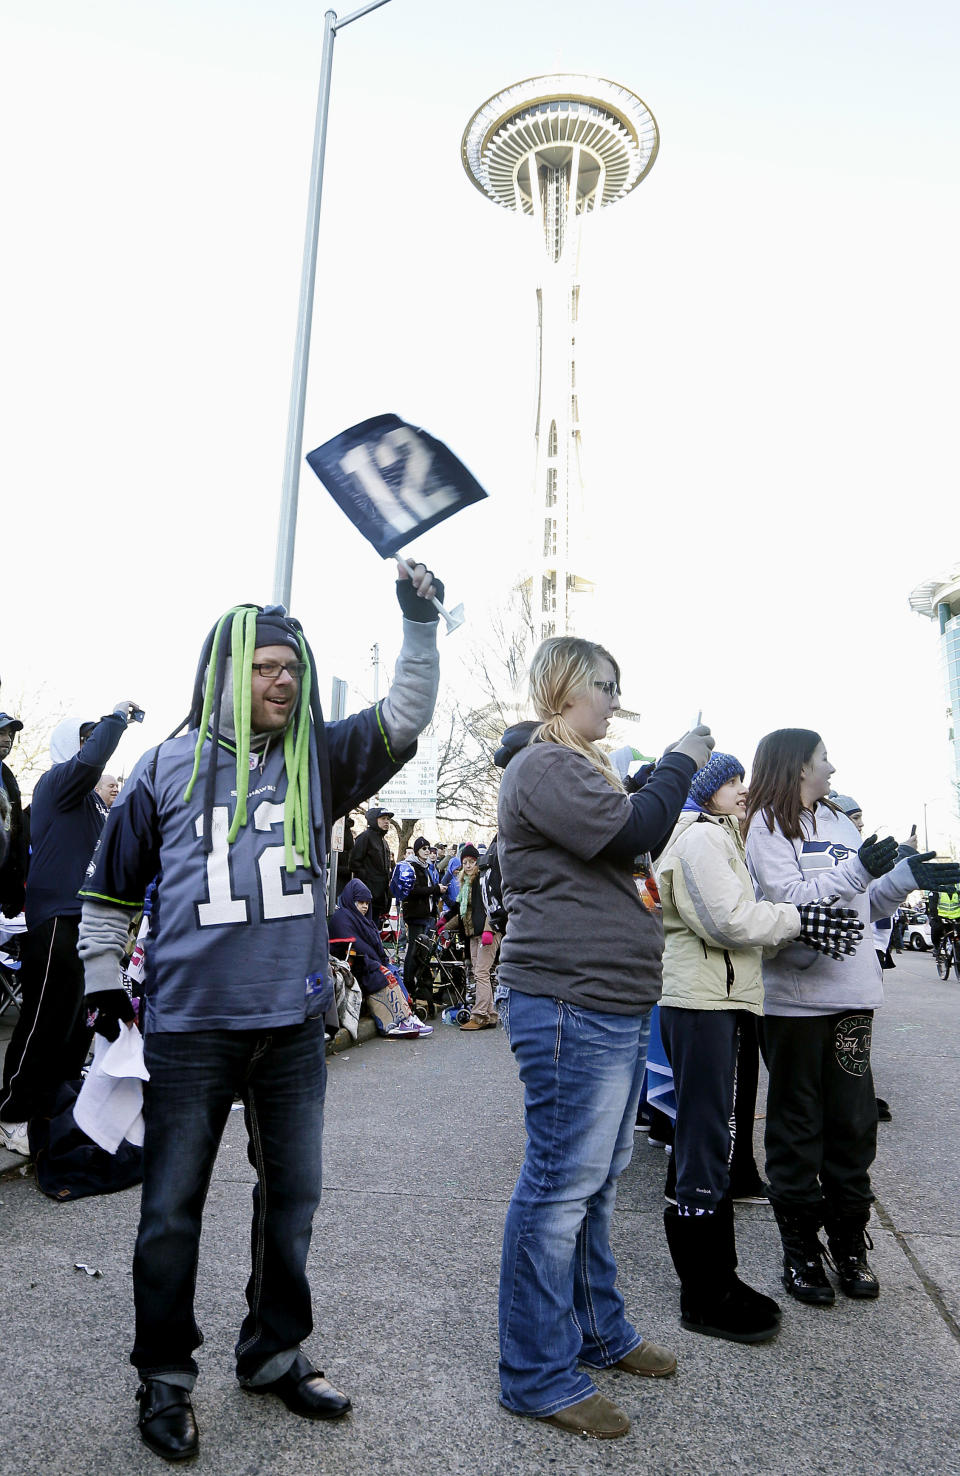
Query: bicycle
(947,952)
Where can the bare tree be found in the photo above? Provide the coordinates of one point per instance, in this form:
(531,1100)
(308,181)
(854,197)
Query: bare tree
(30,755)
(468,729)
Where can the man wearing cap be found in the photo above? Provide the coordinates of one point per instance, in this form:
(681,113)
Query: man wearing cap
(234,817)
(51,1038)
(13,847)
(372,859)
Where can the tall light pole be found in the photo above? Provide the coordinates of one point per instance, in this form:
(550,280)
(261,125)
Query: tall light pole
(293,458)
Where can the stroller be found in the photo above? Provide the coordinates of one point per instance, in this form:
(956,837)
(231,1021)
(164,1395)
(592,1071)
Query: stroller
(440,976)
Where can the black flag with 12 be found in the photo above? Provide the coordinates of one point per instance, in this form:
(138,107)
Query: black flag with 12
(393,480)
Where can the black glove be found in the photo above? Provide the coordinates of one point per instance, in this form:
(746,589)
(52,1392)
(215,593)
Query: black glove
(106,1009)
(413,607)
(878,857)
(835,931)
(942,876)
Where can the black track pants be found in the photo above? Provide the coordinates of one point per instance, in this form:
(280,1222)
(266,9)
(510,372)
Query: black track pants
(50,1040)
(701,1046)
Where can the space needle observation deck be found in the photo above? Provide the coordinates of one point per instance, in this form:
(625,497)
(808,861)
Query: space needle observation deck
(557,148)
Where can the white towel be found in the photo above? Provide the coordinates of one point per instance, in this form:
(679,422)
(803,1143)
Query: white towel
(110,1105)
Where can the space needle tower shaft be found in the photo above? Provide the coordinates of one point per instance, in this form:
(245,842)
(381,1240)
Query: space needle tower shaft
(557,148)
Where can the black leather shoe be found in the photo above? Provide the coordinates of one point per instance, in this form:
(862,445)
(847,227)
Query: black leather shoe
(304,1389)
(166,1420)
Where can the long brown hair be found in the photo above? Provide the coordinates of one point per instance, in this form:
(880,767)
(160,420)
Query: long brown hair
(562,669)
(775,780)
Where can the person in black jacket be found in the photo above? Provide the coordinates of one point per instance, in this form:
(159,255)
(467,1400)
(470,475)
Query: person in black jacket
(419,908)
(372,859)
(13,844)
(51,1038)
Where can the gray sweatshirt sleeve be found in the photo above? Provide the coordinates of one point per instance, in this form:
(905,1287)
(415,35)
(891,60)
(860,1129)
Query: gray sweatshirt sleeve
(775,867)
(101,944)
(887,892)
(408,706)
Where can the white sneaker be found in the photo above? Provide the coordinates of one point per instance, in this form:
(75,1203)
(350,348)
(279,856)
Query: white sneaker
(410,1026)
(13,1136)
(423,1028)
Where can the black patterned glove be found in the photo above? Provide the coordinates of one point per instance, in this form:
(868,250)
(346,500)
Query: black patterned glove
(415,608)
(878,857)
(942,876)
(835,931)
(106,1009)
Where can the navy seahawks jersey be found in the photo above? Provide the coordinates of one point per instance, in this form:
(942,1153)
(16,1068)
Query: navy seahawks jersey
(235,939)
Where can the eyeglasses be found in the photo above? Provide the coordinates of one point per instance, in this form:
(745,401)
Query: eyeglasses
(270,670)
(609,689)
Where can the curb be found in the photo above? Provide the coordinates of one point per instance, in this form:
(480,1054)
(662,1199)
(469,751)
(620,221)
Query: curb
(344,1041)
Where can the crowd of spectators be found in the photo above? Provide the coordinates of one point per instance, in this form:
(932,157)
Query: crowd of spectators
(739,913)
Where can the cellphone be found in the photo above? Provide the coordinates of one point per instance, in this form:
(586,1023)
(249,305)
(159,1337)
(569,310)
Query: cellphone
(137,714)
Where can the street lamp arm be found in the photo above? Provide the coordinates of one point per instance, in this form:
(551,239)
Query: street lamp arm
(356,14)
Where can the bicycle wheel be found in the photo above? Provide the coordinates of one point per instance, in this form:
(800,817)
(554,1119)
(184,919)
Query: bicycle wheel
(944,957)
(956,957)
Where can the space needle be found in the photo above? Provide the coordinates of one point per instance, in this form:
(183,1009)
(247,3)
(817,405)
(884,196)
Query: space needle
(557,148)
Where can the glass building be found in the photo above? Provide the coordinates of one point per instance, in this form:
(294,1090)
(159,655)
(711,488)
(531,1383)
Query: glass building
(939,600)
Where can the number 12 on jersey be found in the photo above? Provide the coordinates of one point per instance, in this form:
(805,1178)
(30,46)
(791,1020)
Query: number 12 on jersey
(222,907)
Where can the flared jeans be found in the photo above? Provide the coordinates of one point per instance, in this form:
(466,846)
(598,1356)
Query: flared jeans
(559,1302)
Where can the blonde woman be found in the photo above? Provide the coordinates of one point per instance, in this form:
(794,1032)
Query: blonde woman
(581,960)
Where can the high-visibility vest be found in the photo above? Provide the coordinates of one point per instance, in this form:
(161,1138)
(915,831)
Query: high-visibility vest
(948,905)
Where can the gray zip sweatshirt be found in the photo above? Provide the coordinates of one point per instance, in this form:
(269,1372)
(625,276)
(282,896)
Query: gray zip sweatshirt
(822,863)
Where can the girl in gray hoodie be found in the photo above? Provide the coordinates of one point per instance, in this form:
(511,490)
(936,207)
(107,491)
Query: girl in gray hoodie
(821,1132)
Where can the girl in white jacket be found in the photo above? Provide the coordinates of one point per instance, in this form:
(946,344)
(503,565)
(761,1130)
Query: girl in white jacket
(714,933)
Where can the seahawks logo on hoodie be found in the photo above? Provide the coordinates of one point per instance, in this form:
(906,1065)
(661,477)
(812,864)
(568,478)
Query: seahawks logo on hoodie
(823,855)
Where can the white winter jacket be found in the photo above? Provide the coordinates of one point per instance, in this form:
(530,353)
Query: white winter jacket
(715,930)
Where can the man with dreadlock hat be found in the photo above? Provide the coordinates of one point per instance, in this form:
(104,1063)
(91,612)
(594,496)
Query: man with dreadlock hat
(234,818)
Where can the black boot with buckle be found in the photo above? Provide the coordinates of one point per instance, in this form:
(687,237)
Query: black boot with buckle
(803,1274)
(166,1420)
(848,1240)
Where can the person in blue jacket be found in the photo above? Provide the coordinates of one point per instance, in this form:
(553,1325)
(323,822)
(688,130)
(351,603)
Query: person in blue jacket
(234,816)
(51,1038)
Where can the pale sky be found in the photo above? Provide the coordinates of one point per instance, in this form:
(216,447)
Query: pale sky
(767,376)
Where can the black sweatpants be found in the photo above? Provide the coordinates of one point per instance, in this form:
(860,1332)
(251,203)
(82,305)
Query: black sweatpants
(50,1040)
(821,1135)
(701,1046)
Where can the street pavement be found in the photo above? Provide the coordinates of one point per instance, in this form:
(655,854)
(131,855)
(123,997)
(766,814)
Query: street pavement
(422,1146)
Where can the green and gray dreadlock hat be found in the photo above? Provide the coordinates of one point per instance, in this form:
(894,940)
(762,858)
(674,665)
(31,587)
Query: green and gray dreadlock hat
(226,661)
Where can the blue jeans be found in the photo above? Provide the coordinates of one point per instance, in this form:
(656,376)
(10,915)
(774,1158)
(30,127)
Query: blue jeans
(281,1077)
(559,1304)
